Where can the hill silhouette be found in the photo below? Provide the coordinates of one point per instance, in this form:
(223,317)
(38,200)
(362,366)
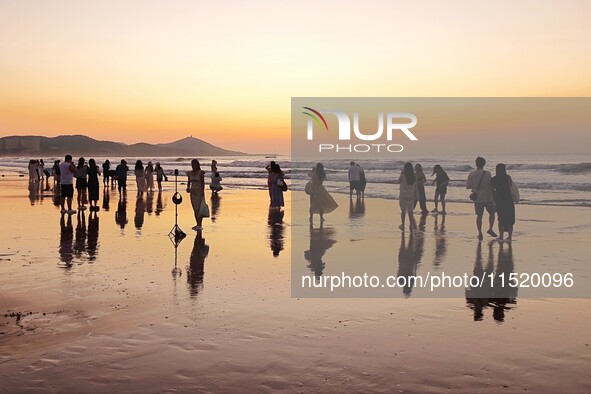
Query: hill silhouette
(83,145)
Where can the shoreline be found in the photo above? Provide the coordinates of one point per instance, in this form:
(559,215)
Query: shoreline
(118,319)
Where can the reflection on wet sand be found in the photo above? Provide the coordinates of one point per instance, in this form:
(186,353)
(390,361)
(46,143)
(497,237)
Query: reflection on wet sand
(121,213)
(140,210)
(150,202)
(160,205)
(321,239)
(106,198)
(196,268)
(80,238)
(276,230)
(440,241)
(66,250)
(497,294)
(357,208)
(56,197)
(93,233)
(35,193)
(215,206)
(409,258)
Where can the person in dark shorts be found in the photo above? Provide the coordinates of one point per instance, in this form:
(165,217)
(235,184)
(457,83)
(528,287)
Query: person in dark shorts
(122,176)
(82,183)
(67,171)
(441,179)
(479,182)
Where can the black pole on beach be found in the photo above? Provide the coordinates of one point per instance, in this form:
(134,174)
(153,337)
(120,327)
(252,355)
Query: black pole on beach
(176,235)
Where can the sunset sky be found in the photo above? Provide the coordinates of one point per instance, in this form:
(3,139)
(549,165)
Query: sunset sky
(225,71)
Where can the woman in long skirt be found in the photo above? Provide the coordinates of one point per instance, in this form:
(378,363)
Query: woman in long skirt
(149,174)
(504,204)
(196,189)
(140,177)
(93,184)
(276,179)
(321,201)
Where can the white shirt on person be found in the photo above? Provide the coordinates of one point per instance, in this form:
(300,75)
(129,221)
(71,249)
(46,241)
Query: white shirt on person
(354,173)
(66,176)
(484,191)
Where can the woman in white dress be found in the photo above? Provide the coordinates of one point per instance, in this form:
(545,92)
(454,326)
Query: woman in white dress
(408,194)
(140,178)
(196,189)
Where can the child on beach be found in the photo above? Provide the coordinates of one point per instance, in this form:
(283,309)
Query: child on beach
(441,180)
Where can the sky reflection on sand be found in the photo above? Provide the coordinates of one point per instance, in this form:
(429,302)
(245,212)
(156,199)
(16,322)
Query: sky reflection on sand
(117,319)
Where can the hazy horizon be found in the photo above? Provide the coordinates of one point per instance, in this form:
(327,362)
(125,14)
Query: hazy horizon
(226,72)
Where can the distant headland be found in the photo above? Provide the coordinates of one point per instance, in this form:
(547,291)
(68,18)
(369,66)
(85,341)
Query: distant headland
(83,145)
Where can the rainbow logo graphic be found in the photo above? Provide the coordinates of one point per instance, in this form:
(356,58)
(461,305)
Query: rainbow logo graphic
(316,116)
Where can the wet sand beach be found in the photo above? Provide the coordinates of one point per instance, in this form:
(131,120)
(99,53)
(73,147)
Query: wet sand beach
(95,306)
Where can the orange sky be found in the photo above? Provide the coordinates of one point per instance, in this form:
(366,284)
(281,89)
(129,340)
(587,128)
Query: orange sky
(225,71)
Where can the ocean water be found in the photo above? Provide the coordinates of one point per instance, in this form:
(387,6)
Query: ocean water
(555,180)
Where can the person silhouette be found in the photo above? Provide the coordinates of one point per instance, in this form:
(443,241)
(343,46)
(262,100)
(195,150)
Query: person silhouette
(196,268)
(215,206)
(321,239)
(356,208)
(92,239)
(66,250)
(407,262)
(80,236)
(440,241)
(276,230)
(504,291)
(121,213)
(106,198)
(159,203)
(140,210)
(477,297)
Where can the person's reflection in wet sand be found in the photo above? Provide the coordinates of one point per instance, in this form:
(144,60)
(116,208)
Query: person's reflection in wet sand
(215,206)
(357,208)
(121,214)
(496,294)
(423,222)
(34,194)
(140,210)
(440,241)
(408,261)
(321,239)
(196,268)
(503,293)
(56,197)
(93,233)
(159,203)
(477,297)
(106,198)
(80,238)
(276,230)
(150,202)
(66,249)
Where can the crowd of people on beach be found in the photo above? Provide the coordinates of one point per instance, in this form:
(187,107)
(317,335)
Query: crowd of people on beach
(495,194)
